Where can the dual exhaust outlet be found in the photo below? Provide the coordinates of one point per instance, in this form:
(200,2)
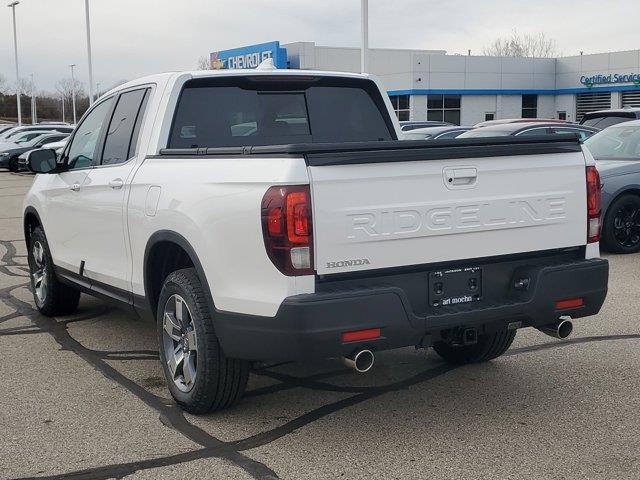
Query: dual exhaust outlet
(362,360)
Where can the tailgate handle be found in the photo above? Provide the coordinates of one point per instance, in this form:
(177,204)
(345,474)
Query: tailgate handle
(461,176)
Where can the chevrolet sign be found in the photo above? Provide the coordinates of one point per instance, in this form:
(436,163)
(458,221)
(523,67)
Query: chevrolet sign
(250,56)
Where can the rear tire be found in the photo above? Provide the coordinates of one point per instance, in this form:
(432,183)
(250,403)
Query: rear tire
(488,347)
(621,226)
(52,297)
(199,376)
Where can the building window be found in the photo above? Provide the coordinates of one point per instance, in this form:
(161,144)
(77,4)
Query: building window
(489,116)
(444,108)
(562,115)
(529,106)
(401,105)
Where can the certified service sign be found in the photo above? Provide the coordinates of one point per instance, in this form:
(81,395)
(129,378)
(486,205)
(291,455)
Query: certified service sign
(611,79)
(250,56)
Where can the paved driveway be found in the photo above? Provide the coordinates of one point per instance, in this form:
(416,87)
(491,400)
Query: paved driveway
(83,397)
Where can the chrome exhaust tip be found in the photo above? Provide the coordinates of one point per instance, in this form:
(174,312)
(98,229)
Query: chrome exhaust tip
(361,361)
(561,329)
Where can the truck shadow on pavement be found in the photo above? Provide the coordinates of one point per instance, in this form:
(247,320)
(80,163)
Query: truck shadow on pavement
(267,380)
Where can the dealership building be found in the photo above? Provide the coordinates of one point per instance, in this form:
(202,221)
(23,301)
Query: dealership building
(466,89)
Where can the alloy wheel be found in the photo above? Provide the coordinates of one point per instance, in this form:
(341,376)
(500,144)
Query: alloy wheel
(626,226)
(180,343)
(39,272)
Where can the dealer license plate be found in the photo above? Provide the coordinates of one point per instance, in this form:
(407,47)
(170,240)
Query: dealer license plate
(455,286)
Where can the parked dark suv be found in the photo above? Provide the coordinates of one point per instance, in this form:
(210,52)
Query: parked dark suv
(605,118)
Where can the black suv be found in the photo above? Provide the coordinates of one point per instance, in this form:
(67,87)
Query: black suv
(605,118)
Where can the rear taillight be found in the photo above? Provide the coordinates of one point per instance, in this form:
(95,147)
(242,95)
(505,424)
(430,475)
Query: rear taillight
(593,205)
(288,228)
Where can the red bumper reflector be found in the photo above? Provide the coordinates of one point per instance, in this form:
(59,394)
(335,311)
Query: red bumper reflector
(360,335)
(570,303)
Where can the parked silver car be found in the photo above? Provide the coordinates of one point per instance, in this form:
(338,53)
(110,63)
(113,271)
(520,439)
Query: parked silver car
(617,153)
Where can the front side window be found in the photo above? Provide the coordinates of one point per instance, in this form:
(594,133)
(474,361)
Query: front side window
(444,108)
(529,106)
(533,132)
(119,139)
(246,112)
(401,106)
(82,149)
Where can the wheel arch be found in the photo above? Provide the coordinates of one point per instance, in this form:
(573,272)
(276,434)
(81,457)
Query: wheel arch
(31,220)
(167,251)
(628,190)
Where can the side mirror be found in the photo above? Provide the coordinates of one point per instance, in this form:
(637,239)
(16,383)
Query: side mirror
(42,161)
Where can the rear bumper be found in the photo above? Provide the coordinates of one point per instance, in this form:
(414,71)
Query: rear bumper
(311,325)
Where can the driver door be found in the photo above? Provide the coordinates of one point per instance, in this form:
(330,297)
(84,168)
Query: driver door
(65,219)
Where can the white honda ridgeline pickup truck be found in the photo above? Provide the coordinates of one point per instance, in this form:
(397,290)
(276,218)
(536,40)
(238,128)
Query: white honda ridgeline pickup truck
(273,215)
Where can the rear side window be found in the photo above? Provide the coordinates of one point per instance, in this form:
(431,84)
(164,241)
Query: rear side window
(604,122)
(451,134)
(119,143)
(50,139)
(584,134)
(276,111)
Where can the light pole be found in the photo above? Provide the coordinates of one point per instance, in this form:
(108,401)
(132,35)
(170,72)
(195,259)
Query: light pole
(364,30)
(73,92)
(33,101)
(86,11)
(97,90)
(12,6)
(62,98)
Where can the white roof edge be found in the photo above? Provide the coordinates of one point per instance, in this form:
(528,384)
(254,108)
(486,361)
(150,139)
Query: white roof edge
(285,72)
(163,77)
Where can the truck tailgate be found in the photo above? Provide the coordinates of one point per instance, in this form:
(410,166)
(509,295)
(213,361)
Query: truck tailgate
(392,213)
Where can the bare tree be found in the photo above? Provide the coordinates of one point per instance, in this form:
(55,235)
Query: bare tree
(527,45)
(65,88)
(3,84)
(204,63)
(27,87)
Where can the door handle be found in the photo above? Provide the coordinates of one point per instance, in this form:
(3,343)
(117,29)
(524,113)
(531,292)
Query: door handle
(460,177)
(75,187)
(464,173)
(116,183)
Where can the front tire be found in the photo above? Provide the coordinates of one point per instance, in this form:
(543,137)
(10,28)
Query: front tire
(621,228)
(489,346)
(52,297)
(13,165)
(199,376)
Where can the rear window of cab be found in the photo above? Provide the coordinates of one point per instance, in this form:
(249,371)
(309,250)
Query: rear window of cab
(278,110)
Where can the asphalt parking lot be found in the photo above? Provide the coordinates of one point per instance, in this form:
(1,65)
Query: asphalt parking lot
(83,397)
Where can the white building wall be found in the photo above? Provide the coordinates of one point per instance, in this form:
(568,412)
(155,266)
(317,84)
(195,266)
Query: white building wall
(566,103)
(418,106)
(546,106)
(508,106)
(616,100)
(474,108)
(425,70)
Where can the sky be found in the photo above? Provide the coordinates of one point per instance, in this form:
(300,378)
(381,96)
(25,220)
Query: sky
(132,38)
